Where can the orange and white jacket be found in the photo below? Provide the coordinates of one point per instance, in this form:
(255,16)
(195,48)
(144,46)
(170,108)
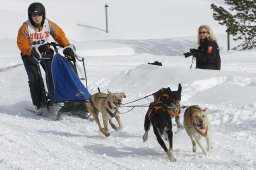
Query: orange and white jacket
(29,36)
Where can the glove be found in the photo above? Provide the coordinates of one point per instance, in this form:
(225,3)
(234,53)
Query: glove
(43,48)
(39,50)
(187,54)
(193,51)
(69,52)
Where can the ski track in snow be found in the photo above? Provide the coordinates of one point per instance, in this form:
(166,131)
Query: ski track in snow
(9,68)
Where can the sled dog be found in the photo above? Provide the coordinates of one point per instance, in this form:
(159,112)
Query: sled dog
(160,116)
(197,126)
(107,104)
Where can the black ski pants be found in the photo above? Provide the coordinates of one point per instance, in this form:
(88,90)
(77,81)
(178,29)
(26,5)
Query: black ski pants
(35,80)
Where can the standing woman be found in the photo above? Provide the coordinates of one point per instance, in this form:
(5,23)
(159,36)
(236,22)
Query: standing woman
(207,55)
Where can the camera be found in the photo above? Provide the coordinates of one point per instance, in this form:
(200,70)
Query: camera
(187,54)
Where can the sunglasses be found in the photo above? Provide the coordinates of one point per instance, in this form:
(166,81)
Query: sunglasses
(204,32)
(37,14)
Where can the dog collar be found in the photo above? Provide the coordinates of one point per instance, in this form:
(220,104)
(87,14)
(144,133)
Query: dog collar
(200,132)
(110,113)
(111,107)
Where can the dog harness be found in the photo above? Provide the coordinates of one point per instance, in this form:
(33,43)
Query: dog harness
(164,109)
(163,94)
(109,112)
(200,132)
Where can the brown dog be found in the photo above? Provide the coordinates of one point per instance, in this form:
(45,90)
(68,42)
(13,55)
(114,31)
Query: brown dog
(107,104)
(197,125)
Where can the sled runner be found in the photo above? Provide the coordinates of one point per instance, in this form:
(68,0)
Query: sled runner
(69,93)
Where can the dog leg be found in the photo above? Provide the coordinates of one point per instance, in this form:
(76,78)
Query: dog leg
(179,125)
(145,136)
(146,128)
(96,118)
(120,124)
(209,143)
(200,145)
(112,124)
(161,142)
(105,129)
(170,151)
(170,155)
(159,139)
(193,143)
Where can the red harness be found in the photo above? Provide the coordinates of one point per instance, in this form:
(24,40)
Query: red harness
(167,110)
(200,132)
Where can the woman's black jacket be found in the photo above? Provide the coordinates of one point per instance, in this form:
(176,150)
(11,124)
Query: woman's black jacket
(207,56)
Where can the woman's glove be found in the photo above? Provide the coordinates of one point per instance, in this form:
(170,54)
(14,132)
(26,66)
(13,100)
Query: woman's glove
(193,51)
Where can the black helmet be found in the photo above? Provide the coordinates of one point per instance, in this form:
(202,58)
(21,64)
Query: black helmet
(38,8)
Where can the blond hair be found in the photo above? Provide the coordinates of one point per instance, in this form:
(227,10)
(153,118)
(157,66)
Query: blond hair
(210,35)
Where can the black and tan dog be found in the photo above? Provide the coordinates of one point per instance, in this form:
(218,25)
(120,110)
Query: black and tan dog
(167,96)
(197,126)
(107,104)
(160,116)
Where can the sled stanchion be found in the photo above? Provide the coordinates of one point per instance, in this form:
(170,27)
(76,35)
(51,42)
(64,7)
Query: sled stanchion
(85,75)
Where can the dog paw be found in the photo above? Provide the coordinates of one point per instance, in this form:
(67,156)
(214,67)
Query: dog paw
(172,159)
(170,155)
(194,149)
(208,149)
(106,133)
(113,126)
(205,153)
(145,137)
(119,128)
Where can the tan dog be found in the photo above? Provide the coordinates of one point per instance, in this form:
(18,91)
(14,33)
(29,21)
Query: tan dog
(197,125)
(107,104)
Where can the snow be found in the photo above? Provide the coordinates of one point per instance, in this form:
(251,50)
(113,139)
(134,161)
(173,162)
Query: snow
(140,32)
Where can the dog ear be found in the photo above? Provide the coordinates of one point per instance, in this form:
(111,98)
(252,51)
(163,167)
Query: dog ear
(169,89)
(124,95)
(108,92)
(204,109)
(179,88)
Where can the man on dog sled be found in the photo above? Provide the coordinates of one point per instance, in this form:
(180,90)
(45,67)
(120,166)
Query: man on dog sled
(33,42)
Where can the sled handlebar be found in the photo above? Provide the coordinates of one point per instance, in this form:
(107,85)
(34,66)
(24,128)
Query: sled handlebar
(54,45)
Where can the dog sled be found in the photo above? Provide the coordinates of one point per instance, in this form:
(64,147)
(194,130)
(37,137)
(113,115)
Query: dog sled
(69,93)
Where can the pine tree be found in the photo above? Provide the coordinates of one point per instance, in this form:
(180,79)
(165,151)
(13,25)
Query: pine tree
(240,20)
